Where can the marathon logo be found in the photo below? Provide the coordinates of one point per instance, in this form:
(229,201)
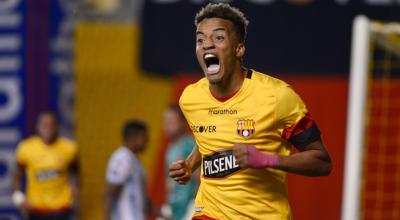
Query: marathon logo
(214,111)
(220,164)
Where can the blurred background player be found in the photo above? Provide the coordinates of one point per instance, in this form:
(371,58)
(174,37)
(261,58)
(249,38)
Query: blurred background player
(180,198)
(48,162)
(245,123)
(126,194)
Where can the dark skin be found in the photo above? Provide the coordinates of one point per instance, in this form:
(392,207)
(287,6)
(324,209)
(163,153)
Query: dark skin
(19,173)
(218,36)
(137,144)
(111,195)
(47,129)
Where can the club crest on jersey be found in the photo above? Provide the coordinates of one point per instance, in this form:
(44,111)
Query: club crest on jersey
(245,127)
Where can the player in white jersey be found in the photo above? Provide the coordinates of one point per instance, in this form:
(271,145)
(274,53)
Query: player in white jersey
(126,197)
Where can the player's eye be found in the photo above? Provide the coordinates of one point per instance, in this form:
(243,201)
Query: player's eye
(200,40)
(219,38)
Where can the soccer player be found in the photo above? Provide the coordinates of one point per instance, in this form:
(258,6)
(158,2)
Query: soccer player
(180,198)
(49,162)
(245,123)
(126,194)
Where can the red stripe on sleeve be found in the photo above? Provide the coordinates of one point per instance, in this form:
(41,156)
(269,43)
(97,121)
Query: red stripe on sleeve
(298,128)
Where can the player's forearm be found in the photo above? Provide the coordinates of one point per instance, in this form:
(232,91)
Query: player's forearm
(18,197)
(74,181)
(16,179)
(74,174)
(314,160)
(308,163)
(194,159)
(107,212)
(110,198)
(108,203)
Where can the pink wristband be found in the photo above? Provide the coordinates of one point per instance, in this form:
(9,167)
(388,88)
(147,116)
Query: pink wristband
(258,160)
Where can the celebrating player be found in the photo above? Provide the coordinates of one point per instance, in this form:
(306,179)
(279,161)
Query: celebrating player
(245,124)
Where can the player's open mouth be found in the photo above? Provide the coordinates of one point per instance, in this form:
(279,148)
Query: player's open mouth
(212,63)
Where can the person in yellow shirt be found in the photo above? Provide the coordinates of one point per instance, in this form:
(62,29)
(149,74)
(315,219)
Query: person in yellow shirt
(245,123)
(48,161)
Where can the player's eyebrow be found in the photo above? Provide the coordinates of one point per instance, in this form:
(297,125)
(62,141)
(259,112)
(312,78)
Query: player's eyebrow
(214,30)
(219,29)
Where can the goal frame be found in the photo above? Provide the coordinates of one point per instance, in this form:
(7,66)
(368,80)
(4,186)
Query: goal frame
(358,88)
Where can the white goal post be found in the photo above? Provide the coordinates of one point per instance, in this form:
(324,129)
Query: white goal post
(358,86)
(364,32)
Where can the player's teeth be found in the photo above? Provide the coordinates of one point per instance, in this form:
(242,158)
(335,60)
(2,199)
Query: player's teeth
(209,55)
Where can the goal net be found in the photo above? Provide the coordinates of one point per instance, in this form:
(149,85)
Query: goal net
(372,160)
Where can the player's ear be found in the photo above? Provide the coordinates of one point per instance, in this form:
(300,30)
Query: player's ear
(240,50)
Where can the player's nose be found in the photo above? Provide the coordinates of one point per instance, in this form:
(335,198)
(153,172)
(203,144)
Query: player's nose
(208,44)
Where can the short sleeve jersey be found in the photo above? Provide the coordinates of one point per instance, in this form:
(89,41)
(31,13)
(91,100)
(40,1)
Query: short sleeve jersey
(125,169)
(47,169)
(264,112)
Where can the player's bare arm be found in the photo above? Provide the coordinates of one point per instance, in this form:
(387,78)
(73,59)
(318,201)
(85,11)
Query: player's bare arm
(312,160)
(18,196)
(111,194)
(75,179)
(181,171)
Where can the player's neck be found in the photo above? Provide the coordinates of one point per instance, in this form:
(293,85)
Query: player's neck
(132,149)
(228,86)
(49,141)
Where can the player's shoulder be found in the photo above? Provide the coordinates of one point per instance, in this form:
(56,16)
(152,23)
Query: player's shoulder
(29,141)
(282,91)
(67,142)
(266,80)
(193,90)
(266,85)
(121,153)
(121,158)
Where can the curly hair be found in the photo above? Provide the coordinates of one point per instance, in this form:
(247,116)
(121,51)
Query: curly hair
(227,12)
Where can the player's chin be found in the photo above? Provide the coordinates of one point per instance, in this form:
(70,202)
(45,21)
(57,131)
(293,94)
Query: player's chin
(214,78)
